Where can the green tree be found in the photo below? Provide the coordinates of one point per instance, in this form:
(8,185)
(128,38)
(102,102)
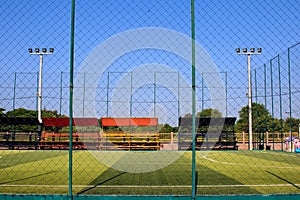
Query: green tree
(209,112)
(22,112)
(261,119)
(166,128)
(292,123)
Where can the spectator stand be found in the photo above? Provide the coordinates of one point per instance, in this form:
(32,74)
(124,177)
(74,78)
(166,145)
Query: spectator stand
(18,133)
(212,133)
(85,135)
(129,134)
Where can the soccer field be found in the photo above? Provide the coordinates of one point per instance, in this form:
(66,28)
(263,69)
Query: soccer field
(106,173)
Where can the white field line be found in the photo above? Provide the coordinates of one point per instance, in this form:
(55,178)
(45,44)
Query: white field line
(151,186)
(247,165)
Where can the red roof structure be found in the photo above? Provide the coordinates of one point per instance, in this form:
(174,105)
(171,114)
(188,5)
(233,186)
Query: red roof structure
(63,122)
(141,121)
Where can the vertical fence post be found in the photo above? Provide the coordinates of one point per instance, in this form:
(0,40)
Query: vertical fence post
(226,94)
(290,90)
(265,95)
(71,100)
(250,102)
(202,91)
(255,85)
(265,84)
(107,92)
(131,77)
(37,89)
(154,100)
(257,135)
(193,102)
(178,94)
(14,98)
(272,101)
(83,96)
(60,92)
(280,102)
(290,98)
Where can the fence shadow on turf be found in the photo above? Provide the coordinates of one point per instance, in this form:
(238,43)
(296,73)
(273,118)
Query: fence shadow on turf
(285,180)
(95,183)
(27,178)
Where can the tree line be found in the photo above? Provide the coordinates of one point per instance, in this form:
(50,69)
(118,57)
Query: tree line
(22,112)
(262,120)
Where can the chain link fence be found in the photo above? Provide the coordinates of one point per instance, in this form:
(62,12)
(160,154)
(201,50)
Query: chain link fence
(136,71)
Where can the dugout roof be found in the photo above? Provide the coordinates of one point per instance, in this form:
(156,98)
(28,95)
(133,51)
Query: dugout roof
(207,121)
(63,122)
(141,121)
(17,121)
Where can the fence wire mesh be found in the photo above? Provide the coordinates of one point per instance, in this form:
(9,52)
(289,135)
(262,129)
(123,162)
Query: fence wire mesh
(132,105)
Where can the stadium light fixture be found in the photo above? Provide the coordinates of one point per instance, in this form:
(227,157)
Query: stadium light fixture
(39,94)
(249,53)
(259,50)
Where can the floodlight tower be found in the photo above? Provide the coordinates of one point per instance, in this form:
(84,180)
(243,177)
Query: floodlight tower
(249,53)
(39,94)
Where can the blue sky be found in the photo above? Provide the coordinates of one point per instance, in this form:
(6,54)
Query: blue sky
(221,26)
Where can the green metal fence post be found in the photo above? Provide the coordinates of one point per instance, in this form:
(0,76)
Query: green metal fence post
(255,85)
(202,91)
(290,96)
(193,102)
(280,102)
(154,96)
(290,90)
(178,94)
(272,101)
(83,96)
(256,135)
(71,99)
(265,84)
(131,77)
(265,95)
(107,92)
(226,93)
(14,98)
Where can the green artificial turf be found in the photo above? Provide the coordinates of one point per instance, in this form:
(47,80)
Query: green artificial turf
(149,173)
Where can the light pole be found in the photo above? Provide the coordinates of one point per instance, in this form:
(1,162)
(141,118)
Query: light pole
(249,53)
(39,94)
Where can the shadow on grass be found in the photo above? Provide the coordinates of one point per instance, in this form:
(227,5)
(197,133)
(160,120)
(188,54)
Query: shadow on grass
(211,182)
(174,179)
(99,181)
(21,158)
(285,180)
(26,178)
